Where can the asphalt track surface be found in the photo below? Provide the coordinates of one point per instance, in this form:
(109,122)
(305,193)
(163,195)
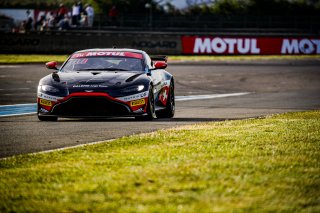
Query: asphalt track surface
(273,87)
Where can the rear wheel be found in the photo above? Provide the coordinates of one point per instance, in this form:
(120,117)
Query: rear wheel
(151,114)
(168,112)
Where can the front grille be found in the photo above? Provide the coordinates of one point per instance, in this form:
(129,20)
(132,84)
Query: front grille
(90,106)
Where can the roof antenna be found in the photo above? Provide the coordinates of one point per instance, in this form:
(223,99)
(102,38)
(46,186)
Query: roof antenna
(114,47)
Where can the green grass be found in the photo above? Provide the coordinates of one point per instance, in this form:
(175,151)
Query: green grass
(33,58)
(256,165)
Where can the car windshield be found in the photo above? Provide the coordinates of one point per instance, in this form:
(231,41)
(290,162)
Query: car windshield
(103,63)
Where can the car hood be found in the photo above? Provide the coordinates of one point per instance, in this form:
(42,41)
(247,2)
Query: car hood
(111,82)
(73,79)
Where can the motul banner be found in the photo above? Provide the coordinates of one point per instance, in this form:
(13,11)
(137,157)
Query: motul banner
(249,45)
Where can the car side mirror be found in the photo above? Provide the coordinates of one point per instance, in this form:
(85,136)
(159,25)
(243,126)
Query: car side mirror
(52,65)
(160,64)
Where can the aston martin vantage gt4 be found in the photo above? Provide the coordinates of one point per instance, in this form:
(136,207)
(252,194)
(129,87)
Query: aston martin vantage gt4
(107,83)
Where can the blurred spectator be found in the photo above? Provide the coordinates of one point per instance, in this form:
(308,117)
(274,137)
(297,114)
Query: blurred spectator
(22,27)
(50,20)
(62,11)
(75,14)
(81,10)
(113,15)
(29,22)
(64,24)
(90,14)
(84,20)
(28,25)
(39,24)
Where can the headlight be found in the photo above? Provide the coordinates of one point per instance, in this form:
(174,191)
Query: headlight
(47,88)
(136,88)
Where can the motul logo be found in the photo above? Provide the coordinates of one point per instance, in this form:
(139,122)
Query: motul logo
(214,45)
(226,45)
(304,46)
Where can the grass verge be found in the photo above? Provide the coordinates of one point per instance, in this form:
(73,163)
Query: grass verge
(32,58)
(256,165)
(16,59)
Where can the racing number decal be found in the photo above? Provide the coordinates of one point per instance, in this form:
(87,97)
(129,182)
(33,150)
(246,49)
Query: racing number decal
(137,102)
(45,102)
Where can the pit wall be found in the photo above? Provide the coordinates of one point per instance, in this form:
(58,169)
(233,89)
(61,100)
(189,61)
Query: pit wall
(158,43)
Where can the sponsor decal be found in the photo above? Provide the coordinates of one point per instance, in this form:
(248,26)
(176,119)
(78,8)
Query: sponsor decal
(163,96)
(140,110)
(166,83)
(137,102)
(134,97)
(43,110)
(48,97)
(107,53)
(45,102)
(89,86)
(79,61)
(303,46)
(249,46)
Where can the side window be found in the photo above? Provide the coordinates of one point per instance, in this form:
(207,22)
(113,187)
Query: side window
(149,62)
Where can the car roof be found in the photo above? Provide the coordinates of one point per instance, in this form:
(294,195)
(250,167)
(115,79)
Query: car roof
(112,50)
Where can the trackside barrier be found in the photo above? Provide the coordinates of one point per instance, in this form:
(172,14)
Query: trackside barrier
(158,43)
(68,42)
(249,45)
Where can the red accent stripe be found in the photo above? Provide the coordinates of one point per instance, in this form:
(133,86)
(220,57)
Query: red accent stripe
(92,94)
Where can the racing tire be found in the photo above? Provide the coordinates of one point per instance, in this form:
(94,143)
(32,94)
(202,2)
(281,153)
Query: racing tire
(151,114)
(169,111)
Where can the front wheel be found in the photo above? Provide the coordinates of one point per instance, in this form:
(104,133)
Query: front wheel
(169,111)
(151,114)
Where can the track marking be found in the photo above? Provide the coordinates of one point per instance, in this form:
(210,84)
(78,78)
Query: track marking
(213,96)
(17,109)
(14,89)
(9,66)
(75,146)
(27,109)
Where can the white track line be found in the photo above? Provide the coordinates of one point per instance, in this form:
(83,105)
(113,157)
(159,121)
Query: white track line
(202,97)
(62,149)
(177,98)
(30,113)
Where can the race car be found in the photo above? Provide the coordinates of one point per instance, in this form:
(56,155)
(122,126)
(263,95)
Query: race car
(115,82)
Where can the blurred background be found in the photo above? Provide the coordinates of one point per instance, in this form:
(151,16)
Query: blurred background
(170,19)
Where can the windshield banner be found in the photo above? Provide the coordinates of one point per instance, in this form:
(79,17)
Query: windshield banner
(107,53)
(211,45)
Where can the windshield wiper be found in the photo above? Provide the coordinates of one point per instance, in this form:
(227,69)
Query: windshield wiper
(102,69)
